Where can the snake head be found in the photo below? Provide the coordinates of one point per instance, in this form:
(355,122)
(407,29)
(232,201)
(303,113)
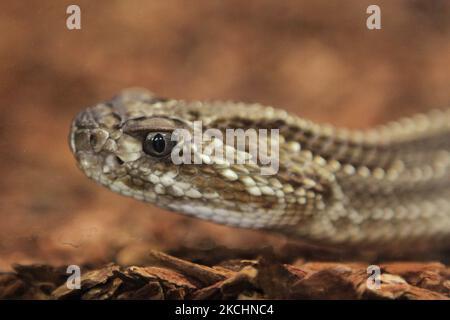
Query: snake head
(121,141)
(130,144)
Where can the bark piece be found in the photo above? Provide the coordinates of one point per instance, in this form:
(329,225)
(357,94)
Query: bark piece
(269,277)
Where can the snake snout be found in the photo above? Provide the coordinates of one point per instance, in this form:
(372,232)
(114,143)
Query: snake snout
(84,143)
(84,134)
(85,120)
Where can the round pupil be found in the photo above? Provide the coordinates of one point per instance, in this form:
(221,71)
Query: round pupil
(158,143)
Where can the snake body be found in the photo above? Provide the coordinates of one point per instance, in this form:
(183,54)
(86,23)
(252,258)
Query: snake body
(384,188)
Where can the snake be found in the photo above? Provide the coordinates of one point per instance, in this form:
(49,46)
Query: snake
(381,188)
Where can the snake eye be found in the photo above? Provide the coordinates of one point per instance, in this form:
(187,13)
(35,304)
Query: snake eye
(158,144)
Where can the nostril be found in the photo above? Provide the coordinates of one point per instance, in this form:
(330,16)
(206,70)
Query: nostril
(93,140)
(119,161)
(98,139)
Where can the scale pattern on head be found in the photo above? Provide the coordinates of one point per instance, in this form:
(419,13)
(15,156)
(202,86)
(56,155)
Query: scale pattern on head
(108,141)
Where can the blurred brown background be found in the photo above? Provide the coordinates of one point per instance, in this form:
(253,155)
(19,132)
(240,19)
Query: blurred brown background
(314,58)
